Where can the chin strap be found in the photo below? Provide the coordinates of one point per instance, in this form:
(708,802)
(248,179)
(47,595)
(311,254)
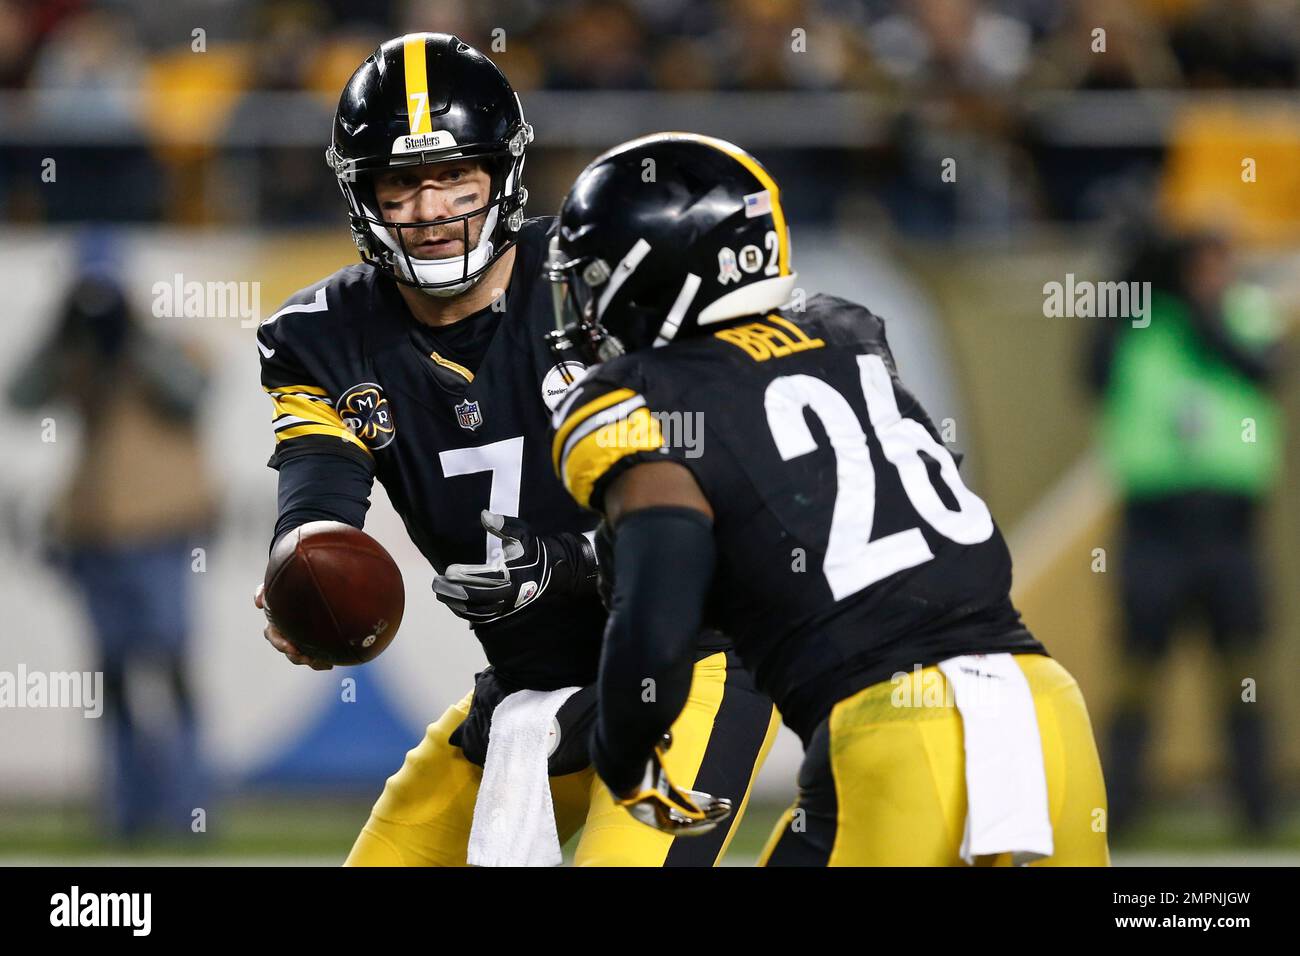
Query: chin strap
(478,258)
(427,270)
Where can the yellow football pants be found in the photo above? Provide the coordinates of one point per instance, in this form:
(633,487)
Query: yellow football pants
(720,740)
(884,785)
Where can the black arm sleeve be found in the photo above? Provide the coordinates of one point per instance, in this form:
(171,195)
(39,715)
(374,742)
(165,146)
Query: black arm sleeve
(665,559)
(323,486)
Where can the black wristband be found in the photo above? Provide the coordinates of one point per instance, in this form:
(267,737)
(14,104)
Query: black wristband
(575,564)
(621,771)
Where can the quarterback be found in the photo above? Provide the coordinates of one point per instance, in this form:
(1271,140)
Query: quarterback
(424,367)
(823,523)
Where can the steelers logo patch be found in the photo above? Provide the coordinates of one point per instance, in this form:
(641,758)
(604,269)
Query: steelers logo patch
(366,414)
(558,380)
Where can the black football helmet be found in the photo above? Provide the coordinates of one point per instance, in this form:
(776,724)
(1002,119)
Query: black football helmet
(425,98)
(661,238)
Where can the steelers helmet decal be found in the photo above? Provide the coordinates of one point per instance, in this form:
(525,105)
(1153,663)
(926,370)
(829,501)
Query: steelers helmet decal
(662,237)
(428,98)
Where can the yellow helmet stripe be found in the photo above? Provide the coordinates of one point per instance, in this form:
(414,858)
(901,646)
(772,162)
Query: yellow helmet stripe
(417,84)
(759,173)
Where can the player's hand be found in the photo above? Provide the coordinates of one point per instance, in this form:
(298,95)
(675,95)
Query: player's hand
(659,803)
(528,566)
(279,641)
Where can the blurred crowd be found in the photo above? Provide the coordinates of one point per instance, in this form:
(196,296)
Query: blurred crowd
(958,74)
(681,44)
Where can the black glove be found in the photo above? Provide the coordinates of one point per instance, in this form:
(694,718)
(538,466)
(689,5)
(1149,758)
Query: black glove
(569,754)
(529,566)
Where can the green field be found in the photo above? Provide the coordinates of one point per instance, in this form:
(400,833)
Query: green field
(315,831)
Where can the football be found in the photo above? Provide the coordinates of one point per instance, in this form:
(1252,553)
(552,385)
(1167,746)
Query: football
(334,592)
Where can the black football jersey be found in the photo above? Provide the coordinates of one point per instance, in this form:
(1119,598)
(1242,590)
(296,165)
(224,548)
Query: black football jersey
(350,369)
(849,549)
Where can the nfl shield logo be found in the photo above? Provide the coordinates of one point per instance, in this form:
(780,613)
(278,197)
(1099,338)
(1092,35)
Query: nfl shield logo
(468,415)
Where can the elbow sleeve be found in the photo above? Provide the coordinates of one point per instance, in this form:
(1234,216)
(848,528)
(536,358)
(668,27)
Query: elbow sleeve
(663,560)
(322,487)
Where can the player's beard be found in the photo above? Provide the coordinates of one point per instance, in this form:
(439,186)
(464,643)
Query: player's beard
(448,240)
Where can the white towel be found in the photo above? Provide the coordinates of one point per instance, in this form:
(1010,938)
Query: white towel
(514,818)
(1006,785)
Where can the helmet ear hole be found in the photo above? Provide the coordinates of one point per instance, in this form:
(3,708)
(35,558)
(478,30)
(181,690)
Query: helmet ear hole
(707,242)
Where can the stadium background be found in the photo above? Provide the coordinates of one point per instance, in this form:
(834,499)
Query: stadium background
(187,140)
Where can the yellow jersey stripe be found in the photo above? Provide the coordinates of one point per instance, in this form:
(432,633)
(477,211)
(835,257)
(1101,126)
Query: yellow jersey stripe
(289,389)
(332,431)
(417,84)
(321,419)
(306,408)
(577,417)
(448,363)
(595,454)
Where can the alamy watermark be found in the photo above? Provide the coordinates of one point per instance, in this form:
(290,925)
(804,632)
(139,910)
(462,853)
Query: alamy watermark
(133,911)
(928,687)
(663,430)
(1084,299)
(177,299)
(82,690)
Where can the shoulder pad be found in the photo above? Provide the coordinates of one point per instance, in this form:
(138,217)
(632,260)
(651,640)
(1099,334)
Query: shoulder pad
(847,323)
(603,422)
